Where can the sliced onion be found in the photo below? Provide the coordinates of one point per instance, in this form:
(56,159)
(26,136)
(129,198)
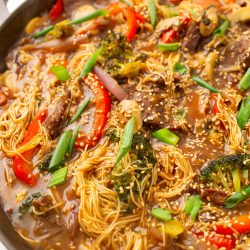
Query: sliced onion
(110,84)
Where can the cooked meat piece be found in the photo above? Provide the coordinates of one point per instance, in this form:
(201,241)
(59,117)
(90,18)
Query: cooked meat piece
(217,197)
(5,95)
(54,218)
(43,202)
(73,223)
(192,38)
(54,122)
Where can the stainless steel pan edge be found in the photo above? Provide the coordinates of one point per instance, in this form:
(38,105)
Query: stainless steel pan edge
(10,31)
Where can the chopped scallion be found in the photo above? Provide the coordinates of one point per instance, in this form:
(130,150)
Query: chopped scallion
(169,46)
(180,68)
(245,81)
(204,84)
(152,12)
(58,177)
(192,206)
(243,115)
(127,139)
(222,28)
(161,214)
(166,136)
(72,141)
(60,72)
(80,110)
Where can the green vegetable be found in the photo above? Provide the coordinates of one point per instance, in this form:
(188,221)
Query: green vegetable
(169,46)
(72,141)
(166,136)
(172,228)
(237,197)
(204,84)
(91,62)
(180,68)
(113,135)
(153,13)
(26,204)
(243,115)
(60,151)
(58,177)
(127,138)
(222,29)
(60,72)
(217,170)
(245,81)
(73,22)
(161,214)
(192,206)
(44,164)
(80,110)
(179,114)
(91,16)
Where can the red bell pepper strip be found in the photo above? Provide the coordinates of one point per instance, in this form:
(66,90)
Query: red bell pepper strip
(131,16)
(23,168)
(103,106)
(239,224)
(57,9)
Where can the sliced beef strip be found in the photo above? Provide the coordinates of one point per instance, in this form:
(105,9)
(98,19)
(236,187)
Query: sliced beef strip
(43,202)
(73,224)
(217,197)
(192,38)
(54,122)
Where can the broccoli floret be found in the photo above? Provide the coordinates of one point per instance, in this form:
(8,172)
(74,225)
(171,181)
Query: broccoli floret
(44,164)
(26,204)
(236,165)
(113,135)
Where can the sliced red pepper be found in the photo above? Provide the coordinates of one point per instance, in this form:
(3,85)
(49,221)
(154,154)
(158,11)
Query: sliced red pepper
(185,20)
(131,16)
(57,9)
(169,36)
(239,224)
(23,168)
(103,106)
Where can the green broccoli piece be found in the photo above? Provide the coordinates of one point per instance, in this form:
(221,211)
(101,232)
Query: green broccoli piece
(26,204)
(44,164)
(113,135)
(236,165)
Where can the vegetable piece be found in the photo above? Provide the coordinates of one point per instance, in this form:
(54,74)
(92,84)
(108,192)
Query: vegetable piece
(58,177)
(72,141)
(169,47)
(222,29)
(193,205)
(110,84)
(166,136)
(91,62)
(153,13)
(180,68)
(103,106)
(243,114)
(21,165)
(204,84)
(26,204)
(44,164)
(60,72)
(169,36)
(241,14)
(221,241)
(32,25)
(239,224)
(57,9)
(127,139)
(245,81)
(237,197)
(236,179)
(60,151)
(161,214)
(80,110)
(91,16)
(172,228)
(130,15)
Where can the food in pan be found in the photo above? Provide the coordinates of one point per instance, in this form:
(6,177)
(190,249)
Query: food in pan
(124,125)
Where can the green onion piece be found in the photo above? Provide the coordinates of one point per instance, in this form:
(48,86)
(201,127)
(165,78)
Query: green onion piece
(189,205)
(72,141)
(91,62)
(58,177)
(204,84)
(152,12)
(60,72)
(161,214)
(245,81)
(166,136)
(237,197)
(180,68)
(127,139)
(91,16)
(43,32)
(60,151)
(196,208)
(245,174)
(243,115)
(222,29)
(169,46)
(236,179)
(80,110)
